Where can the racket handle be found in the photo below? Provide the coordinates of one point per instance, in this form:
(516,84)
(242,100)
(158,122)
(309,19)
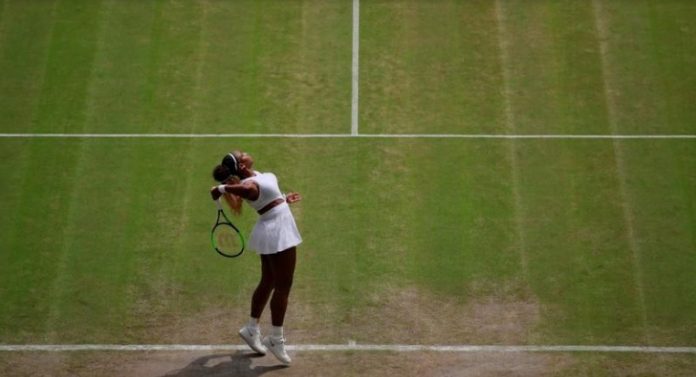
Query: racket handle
(218,204)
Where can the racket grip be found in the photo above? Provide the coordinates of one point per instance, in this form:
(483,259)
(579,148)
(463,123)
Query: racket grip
(218,204)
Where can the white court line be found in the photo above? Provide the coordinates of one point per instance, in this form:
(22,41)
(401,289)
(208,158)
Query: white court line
(334,136)
(352,346)
(355,68)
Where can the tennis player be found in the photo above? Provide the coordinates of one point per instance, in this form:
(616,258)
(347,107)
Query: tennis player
(274,237)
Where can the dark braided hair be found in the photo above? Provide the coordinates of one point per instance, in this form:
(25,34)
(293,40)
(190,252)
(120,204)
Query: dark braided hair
(221,173)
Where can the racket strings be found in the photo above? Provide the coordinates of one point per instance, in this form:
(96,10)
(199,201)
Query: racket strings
(227,239)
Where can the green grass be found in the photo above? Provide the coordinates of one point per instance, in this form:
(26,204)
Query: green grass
(651,46)
(430,67)
(106,240)
(556,71)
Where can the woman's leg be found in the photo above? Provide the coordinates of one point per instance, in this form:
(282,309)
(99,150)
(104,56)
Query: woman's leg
(251,332)
(283,267)
(264,289)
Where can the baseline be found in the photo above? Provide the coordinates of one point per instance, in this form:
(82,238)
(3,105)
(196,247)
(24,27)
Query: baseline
(336,136)
(352,346)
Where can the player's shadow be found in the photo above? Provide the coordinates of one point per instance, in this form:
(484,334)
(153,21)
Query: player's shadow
(234,365)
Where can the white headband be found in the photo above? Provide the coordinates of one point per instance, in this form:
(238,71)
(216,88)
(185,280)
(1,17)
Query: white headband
(236,164)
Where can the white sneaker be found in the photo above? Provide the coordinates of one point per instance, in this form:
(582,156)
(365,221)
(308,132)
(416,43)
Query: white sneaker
(252,337)
(277,347)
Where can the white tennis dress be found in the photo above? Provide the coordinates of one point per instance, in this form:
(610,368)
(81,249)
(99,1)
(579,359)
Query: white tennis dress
(275,230)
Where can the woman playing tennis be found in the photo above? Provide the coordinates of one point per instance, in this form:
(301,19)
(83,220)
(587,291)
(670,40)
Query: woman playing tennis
(274,237)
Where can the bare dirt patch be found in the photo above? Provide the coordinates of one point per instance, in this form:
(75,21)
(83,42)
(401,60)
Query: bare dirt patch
(411,315)
(32,364)
(408,315)
(392,315)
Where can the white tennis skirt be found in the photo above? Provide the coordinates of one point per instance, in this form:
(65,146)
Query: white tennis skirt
(275,231)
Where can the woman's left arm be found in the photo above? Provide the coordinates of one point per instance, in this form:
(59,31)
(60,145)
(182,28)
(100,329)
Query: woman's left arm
(292,197)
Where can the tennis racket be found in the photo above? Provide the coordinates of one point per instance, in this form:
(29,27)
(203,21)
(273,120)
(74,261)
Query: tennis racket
(227,240)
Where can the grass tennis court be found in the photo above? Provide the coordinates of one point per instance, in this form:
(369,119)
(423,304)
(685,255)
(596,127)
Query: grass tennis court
(418,240)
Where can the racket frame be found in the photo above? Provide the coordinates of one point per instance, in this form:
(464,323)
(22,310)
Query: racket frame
(226,221)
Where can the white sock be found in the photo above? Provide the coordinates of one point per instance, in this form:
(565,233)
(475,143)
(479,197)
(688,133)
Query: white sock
(253,323)
(277,331)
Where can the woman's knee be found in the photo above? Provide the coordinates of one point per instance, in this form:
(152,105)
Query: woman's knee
(267,282)
(283,284)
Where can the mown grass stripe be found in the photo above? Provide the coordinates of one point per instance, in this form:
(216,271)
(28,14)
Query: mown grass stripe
(503,45)
(21,109)
(2,20)
(612,118)
(188,167)
(63,275)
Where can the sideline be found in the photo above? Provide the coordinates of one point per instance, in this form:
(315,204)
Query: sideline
(355,69)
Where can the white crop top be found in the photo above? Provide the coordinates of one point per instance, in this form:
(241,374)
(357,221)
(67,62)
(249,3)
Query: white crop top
(268,189)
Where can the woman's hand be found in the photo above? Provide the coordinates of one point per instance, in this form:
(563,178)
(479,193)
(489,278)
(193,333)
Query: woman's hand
(292,197)
(215,193)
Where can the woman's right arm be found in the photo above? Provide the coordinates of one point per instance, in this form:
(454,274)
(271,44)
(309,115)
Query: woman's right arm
(248,190)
